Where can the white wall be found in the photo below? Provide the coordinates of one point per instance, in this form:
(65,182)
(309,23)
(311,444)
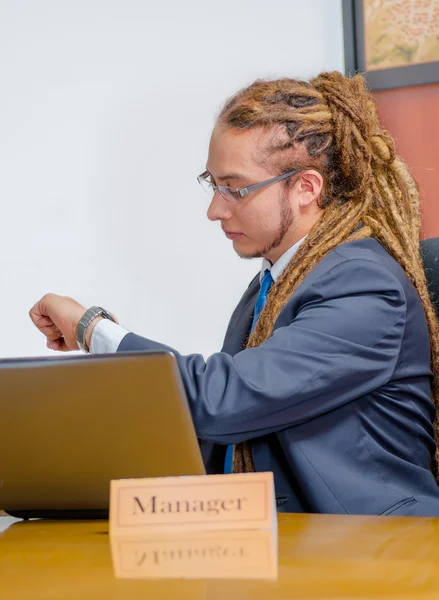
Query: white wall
(106,107)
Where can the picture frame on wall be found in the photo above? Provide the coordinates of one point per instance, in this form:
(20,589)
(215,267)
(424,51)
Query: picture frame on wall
(395,43)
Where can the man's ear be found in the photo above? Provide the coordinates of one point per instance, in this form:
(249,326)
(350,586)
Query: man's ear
(309,187)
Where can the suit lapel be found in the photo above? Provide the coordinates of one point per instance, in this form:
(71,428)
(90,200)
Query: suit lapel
(240,322)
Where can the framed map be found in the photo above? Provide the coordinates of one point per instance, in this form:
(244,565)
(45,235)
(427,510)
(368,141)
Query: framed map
(394,42)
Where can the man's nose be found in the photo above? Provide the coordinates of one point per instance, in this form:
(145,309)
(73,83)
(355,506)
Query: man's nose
(219,209)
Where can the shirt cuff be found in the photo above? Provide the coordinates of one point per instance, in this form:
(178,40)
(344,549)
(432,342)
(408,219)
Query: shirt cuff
(106,337)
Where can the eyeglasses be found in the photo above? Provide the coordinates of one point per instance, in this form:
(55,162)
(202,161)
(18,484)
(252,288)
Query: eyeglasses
(232,194)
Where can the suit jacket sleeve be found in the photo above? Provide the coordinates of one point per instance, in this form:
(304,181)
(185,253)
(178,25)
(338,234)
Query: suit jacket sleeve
(342,343)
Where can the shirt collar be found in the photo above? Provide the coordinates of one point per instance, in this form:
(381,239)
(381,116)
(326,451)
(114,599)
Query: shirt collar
(281,263)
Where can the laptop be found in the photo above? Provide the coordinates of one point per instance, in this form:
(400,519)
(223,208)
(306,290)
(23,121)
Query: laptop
(71,425)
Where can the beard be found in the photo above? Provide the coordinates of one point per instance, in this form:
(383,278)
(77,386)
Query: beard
(286,220)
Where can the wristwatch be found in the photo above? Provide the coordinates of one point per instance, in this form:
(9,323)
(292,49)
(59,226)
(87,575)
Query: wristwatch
(90,315)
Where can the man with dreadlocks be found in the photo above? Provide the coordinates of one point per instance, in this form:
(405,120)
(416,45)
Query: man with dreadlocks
(329,372)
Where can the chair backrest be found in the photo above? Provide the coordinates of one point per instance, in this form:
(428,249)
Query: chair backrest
(430,256)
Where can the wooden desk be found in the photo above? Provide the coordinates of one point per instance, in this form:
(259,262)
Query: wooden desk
(320,557)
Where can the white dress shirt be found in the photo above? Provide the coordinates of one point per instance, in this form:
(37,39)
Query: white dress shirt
(279,266)
(107,336)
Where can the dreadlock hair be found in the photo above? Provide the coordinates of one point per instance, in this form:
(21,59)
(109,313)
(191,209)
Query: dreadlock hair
(330,123)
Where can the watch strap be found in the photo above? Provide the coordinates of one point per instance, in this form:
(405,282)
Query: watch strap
(87,318)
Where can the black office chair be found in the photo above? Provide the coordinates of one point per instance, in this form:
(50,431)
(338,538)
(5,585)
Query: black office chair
(430,256)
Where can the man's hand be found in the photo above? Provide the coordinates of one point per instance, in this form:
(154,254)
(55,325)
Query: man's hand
(57,317)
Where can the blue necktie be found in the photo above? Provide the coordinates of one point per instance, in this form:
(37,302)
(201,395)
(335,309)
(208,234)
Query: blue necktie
(265,286)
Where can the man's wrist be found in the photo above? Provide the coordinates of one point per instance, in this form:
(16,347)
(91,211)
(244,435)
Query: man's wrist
(89,330)
(87,323)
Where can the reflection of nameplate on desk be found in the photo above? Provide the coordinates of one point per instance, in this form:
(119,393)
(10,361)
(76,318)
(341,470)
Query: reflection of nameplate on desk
(205,502)
(199,555)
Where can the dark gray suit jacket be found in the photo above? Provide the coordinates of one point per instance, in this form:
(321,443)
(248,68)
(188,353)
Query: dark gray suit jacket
(337,402)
